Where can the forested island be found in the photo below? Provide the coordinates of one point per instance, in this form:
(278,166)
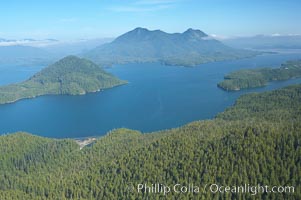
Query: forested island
(71,76)
(257,141)
(251,78)
(190,48)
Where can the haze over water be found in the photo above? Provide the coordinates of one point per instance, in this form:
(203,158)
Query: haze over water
(157,97)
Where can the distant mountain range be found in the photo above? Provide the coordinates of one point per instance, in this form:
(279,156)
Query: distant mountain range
(64,48)
(26,52)
(266,42)
(43,52)
(189,48)
(25,55)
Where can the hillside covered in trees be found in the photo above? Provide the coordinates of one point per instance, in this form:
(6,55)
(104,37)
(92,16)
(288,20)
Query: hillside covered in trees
(251,78)
(257,141)
(190,48)
(70,75)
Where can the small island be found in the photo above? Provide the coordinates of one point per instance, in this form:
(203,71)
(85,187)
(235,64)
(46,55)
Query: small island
(70,76)
(252,78)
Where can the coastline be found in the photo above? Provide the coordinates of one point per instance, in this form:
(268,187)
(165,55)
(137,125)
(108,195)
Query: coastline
(79,94)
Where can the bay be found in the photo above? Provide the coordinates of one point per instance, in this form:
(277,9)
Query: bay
(157,97)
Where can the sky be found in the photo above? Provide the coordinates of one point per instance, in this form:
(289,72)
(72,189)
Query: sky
(86,19)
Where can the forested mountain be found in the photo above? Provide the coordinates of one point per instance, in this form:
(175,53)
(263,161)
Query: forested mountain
(70,75)
(190,48)
(251,78)
(257,141)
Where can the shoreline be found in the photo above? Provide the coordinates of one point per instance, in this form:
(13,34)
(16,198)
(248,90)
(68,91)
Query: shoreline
(58,94)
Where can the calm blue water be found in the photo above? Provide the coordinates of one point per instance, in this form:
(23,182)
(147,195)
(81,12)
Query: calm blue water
(157,97)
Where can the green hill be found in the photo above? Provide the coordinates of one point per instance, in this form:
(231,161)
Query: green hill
(257,141)
(251,78)
(70,75)
(189,48)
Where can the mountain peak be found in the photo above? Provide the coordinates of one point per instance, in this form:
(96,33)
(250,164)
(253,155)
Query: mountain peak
(195,33)
(138,34)
(140,29)
(70,57)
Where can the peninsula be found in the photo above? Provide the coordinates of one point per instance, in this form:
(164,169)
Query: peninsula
(251,78)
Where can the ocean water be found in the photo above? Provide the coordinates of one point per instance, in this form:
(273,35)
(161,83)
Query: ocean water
(157,97)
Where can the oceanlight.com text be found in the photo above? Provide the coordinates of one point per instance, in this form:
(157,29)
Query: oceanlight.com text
(164,189)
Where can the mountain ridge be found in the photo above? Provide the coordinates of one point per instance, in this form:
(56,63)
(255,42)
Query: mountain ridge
(29,55)
(192,47)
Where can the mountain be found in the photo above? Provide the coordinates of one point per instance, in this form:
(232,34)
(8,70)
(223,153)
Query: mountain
(254,143)
(20,55)
(190,48)
(29,51)
(70,75)
(266,42)
(74,47)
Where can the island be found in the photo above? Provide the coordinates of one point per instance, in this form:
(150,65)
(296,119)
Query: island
(69,76)
(252,78)
(190,48)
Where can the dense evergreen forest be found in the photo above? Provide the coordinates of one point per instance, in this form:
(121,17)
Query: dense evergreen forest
(257,141)
(70,75)
(251,78)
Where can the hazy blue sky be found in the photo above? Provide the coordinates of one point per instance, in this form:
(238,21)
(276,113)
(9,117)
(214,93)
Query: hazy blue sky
(74,19)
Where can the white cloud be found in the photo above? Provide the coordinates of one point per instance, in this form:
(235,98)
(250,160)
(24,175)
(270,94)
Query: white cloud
(279,35)
(208,38)
(219,37)
(29,42)
(276,35)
